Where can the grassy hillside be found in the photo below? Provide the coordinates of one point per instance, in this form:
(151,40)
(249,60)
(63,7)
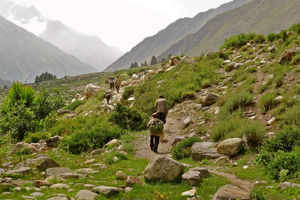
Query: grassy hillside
(259,16)
(255,81)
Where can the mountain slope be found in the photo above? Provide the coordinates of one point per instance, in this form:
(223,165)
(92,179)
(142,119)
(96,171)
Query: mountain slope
(261,16)
(88,49)
(160,42)
(23,56)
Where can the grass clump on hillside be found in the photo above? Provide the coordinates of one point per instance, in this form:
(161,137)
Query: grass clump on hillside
(237,101)
(183,149)
(75,105)
(235,127)
(240,40)
(178,84)
(128,118)
(267,102)
(91,133)
(292,116)
(281,155)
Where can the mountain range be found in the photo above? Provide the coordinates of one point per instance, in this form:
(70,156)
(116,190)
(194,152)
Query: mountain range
(88,49)
(208,30)
(24,56)
(159,43)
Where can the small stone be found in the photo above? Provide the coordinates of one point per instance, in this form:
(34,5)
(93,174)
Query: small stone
(90,161)
(70,176)
(89,186)
(132,180)
(100,166)
(187,122)
(245,167)
(121,175)
(271,121)
(128,189)
(97,151)
(190,193)
(60,186)
(21,170)
(107,191)
(37,194)
(86,171)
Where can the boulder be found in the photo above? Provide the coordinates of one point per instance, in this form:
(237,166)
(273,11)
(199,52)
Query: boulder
(53,142)
(85,195)
(163,169)
(204,150)
(19,171)
(42,163)
(230,192)
(22,146)
(230,147)
(91,90)
(195,175)
(57,172)
(107,191)
(209,99)
(60,186)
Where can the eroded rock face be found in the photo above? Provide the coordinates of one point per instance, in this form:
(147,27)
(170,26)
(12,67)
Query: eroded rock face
(194,176)
(163,169)
(230,147)
(204,150)
(230,192)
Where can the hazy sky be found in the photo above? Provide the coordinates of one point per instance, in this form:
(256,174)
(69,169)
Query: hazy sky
(122,23)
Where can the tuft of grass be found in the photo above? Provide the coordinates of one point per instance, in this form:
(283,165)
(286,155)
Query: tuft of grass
(183,149)
(267,102)
(237,101)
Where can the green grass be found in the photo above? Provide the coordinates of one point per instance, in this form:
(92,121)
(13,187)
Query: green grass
(267,102)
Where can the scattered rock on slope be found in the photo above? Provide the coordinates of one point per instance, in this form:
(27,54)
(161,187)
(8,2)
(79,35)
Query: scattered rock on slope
(163,169)
(195,175)
(230,147)
(204,150)
(230,192)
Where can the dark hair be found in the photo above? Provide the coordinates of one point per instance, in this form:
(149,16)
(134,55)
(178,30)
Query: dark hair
(161,96)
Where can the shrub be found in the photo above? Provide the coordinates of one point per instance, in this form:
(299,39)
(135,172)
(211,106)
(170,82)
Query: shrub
(272,37)
(45,77)
(182,150)
(75,105)
(236,127)
(296,28)
(267,102)
(281,155)
(36,137)
(238,40)
(128,92)
(237,101)
(296,60)
(259,38)
(94,133)
(292,116)
(128,118)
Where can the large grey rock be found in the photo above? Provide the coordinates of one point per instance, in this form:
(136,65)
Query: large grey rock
(107,191)
(204,150)
(42,163)
(230,147)
(230,192)
(195,175)
(190,193)
(19,171)
(58,171)
(85,195)
(163,169)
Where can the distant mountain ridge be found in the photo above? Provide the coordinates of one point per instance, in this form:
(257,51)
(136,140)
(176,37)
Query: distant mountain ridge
(23,56)
(89,49)
(159,43)
(259,16)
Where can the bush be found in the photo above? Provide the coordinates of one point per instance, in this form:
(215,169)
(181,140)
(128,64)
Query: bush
(236,101)
(75,105)
(259,38)
(272,37)
(296,28)
(183,149)
(25,111)
(267,102)
(281,155)
(238,40)
(236,127)
(45,77)
(296,60)
(128,92)
(128,118)
(292,116)
(94,133)
(36,137)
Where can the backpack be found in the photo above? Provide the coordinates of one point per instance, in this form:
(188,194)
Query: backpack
(156,125)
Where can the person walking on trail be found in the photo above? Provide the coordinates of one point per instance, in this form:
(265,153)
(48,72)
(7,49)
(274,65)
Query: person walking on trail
(118,84)
(156,127)
(161,106)
(111,83)
(108,96)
